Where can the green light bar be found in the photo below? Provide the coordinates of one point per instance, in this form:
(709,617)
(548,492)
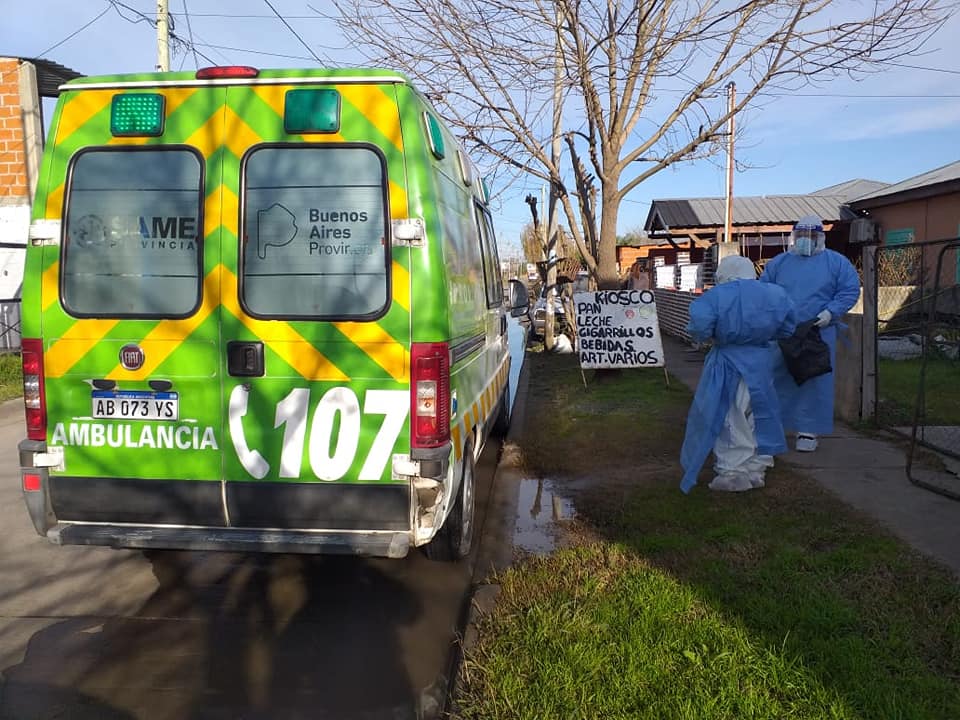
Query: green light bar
(311,111)
(435,135)
(136,114)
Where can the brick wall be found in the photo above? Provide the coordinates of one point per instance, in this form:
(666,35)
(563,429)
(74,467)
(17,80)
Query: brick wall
(13,169)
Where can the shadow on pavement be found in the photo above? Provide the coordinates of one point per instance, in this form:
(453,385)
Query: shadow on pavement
(228,636)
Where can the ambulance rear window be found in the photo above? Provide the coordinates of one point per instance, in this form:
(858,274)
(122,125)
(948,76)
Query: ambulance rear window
(314,229)
(132,245)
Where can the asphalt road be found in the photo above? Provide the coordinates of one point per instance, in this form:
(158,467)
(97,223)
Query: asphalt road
(109,634)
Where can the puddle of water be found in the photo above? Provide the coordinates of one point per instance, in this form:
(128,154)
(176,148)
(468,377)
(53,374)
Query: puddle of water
(539,509)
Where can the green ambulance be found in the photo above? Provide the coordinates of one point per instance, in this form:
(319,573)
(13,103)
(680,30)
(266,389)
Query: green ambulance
(262,311)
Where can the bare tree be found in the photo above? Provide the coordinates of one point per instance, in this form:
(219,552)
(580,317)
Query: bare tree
(640,84)
(534,250)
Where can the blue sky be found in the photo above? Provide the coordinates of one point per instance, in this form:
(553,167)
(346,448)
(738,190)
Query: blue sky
(886,127)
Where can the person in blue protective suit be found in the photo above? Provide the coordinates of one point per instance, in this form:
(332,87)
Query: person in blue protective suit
(735,411)
(824,285)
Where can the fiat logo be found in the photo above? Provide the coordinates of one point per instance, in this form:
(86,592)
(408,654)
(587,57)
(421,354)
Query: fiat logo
(131,357)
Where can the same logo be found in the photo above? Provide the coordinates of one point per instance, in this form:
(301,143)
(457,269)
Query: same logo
(131,357)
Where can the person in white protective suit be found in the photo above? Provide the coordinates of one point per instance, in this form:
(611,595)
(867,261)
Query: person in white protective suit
(735,411)
(823,285)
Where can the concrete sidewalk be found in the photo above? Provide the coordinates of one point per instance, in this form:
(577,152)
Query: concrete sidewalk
(867,473)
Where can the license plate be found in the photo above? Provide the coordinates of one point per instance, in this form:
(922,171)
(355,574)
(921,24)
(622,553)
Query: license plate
(135,405)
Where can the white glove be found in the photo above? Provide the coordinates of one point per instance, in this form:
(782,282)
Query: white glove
(823,319)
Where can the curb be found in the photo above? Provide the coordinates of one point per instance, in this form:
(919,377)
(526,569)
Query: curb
(495,552)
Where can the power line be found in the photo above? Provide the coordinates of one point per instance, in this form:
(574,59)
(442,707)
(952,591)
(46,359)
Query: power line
(290,28)
(186,15)
(864,96)
(923,67)
(141,17)
(261,16)
(76,32)
(253,52)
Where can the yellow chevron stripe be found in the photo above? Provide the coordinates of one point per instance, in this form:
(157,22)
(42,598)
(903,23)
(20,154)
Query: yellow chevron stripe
(76,342)
(157,345)
(54,203)
(207,137)
(486,404)
(401,286)
(273,95)
(380,346)
(128,141)
(280,337)
(80,108)
(238,136)
(378,108)
(220,210)
(84,105)
(398,201)
(229,211)
(176,97)
(50,286)
(455,436)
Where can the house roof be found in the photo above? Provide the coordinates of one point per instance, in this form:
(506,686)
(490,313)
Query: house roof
(852,189)
(763,210)
(50,75)
(943,180)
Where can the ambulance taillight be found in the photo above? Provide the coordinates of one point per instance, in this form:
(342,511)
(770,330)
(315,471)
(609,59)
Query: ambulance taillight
(226,72)
(34,396)
(429,395)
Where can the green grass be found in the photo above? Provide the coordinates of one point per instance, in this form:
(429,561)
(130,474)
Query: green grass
(11,376)
(899,383)
(779,603)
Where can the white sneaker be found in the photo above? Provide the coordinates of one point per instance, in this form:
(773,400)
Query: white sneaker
(756,480)
(806,442)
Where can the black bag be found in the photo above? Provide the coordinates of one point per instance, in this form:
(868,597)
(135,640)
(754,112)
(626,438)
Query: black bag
(806,354)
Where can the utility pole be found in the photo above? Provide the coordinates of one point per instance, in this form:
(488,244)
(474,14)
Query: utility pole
(163,36)
(552,226)
(728,214)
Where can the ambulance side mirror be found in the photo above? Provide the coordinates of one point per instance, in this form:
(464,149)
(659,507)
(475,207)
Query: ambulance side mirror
(518,299)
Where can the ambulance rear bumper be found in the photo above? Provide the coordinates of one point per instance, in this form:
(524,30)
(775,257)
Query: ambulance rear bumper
(144,537)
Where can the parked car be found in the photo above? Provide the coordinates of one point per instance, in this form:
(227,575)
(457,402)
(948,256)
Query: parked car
(539,313)
(581,283)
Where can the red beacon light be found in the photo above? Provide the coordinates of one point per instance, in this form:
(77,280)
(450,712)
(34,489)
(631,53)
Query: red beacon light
(227,71)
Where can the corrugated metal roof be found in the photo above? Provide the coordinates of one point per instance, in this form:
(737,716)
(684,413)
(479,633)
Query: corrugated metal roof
(50,75)
(944,174)
(764,210)
(852,189)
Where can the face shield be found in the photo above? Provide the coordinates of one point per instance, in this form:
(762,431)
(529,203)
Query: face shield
(808,237)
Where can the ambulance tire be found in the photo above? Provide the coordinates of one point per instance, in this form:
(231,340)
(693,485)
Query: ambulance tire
(455,538)
(501,425)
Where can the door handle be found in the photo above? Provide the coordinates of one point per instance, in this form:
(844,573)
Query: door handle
(245,359)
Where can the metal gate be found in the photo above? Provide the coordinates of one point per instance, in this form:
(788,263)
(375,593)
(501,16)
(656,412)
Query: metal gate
(918,348)
(11,264)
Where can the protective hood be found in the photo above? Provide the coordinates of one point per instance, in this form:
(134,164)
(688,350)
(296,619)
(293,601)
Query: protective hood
(735,267)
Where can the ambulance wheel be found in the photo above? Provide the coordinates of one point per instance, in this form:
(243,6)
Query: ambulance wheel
(501,425)
(455,538)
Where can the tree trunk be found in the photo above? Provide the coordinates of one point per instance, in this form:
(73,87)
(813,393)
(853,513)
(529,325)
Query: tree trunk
(607,277)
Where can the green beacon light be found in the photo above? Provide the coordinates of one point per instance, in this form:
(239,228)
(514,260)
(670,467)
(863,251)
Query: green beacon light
(435,135)
(311,110)
(136,114)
